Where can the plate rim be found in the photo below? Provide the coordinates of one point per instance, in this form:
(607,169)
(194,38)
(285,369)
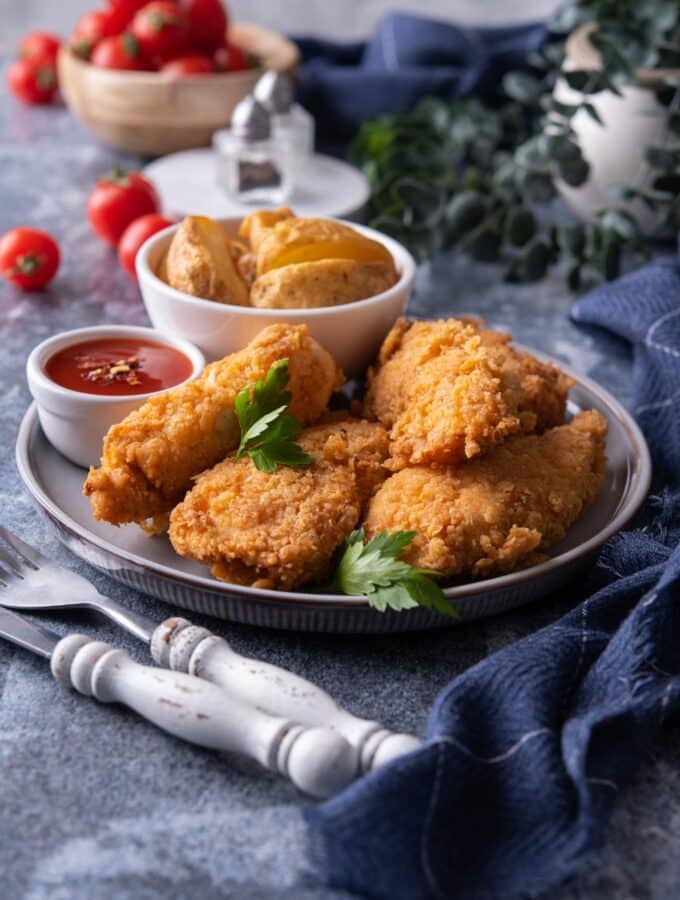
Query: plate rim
(633,502)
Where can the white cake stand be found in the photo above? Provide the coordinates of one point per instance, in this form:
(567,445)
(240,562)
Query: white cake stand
(187,186)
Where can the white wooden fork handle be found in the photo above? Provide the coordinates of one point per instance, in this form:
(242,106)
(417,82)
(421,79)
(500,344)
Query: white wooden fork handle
(317,760)
(183,647)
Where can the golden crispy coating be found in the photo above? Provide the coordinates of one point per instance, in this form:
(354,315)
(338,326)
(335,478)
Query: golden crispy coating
(200,262)
(490,515)
(150,458)
(326,282)
(449,391)
(281,529)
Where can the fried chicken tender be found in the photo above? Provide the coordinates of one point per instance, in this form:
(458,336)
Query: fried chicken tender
(449,390)
(281,529)
(151,456)
(492,514)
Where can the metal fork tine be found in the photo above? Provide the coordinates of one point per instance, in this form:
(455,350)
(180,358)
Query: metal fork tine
(10,564)
(22,549)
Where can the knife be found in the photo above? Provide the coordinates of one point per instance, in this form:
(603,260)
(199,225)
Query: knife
(318,761)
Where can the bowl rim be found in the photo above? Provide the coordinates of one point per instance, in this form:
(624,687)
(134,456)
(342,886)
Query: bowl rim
(404,261)
(38,379)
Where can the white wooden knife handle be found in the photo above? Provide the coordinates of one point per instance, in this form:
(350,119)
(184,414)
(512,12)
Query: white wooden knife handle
(183,647)
(317,760)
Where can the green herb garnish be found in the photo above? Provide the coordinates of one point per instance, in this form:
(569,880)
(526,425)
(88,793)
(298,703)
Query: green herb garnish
(373,569)
(268,432)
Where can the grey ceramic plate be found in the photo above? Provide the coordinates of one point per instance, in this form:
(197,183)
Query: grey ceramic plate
(151,565)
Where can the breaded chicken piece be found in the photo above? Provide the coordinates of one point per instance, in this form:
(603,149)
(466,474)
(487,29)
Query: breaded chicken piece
(281,529)
(150,458)
(490,515)
(449,390)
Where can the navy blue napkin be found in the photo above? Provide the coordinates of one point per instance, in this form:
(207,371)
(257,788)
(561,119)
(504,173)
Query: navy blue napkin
(527,751)
(408,57)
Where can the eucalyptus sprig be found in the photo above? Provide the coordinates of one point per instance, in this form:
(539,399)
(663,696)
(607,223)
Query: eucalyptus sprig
(481,177)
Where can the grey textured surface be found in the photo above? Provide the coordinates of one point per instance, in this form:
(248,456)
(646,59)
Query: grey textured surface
(95,803)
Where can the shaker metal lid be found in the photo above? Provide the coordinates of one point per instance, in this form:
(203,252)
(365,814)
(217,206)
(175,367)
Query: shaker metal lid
(250,120)
(274,90)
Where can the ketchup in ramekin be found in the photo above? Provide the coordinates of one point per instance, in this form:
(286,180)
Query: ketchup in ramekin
(118,366)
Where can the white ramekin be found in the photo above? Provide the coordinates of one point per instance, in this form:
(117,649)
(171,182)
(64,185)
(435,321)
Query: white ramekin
(74,422)
(352,332)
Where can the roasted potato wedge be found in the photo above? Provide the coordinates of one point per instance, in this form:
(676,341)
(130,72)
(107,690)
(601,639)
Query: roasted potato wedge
(255,227)
(200,262)
(296,240)
(326,282)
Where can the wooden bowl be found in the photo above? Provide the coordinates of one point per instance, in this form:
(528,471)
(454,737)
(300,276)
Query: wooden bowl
(149,114)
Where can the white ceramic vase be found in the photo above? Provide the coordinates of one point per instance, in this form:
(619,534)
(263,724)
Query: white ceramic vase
(614,150)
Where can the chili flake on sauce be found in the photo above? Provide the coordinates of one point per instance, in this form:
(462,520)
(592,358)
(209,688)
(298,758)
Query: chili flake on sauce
(118,367)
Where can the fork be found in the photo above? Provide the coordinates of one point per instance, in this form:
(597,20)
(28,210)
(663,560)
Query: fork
(178,645)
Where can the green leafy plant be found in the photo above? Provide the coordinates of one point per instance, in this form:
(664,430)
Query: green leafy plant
(374,570)
(484,178)
(268,432)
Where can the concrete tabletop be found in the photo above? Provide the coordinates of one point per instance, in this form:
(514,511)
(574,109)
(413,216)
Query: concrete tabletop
(96,803)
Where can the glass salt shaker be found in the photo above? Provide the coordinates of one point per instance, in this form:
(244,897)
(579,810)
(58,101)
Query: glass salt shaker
(250,167)
(292,125)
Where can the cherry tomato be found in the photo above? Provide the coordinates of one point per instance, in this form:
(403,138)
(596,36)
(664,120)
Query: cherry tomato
(161,28)
(33,81)
(118,200)
(29,257)
(207,23)
(127,8)
(93,27)
(120,52)
(230,58)
(39,45)
(191,64)
(134,236)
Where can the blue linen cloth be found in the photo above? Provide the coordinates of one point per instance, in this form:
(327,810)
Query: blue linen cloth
(407,57)
(526,751)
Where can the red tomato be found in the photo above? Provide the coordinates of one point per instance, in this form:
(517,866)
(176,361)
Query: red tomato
(207,23)
(28,257)
(161,28)
(120,52)
(127,8)
(118,200)
(33,80)
(39,45)
(191,64)
(135,235)
(93,27)
(231,58)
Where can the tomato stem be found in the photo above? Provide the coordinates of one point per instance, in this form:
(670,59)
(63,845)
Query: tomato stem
(28,264)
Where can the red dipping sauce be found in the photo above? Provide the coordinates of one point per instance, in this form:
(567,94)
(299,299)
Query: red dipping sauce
(118,367)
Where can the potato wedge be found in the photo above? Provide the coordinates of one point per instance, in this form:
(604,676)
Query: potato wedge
(294,241)
(326,282)
(200,262)
(255,227)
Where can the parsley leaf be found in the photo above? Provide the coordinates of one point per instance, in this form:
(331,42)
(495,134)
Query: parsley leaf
(268,432)
(373,569)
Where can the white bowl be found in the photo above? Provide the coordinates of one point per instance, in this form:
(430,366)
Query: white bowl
(75,422)
(352,332)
